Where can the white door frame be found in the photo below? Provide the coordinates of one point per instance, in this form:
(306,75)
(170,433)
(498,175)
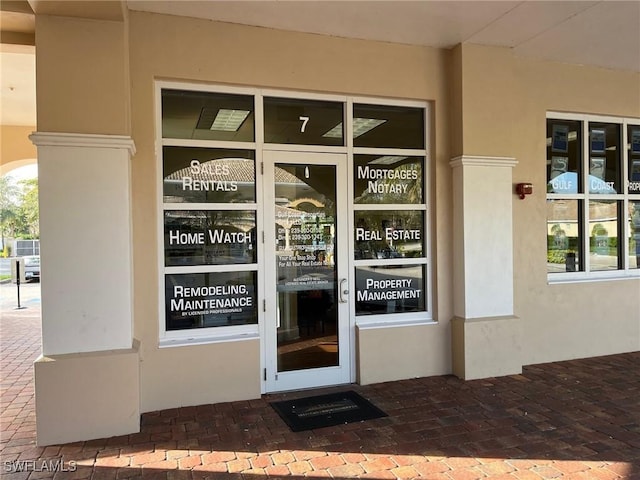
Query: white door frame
(300,379)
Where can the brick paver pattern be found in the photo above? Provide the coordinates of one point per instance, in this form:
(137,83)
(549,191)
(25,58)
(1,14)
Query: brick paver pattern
(574,420)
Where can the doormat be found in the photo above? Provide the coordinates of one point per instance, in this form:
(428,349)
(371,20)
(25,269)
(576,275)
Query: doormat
(326,410)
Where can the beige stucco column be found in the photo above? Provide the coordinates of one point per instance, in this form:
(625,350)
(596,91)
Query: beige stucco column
(486,336)
(87,380)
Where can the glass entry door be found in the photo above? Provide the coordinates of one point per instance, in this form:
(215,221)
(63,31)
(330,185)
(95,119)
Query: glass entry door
(307,309)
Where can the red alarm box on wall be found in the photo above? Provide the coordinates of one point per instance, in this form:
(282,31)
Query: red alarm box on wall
(524,189)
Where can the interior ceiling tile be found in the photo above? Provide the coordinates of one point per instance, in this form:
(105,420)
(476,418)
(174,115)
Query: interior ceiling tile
(527,21)
(606,35)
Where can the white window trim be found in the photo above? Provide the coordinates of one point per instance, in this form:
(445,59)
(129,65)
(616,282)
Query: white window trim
(626,273)
(174,338)
(200,336)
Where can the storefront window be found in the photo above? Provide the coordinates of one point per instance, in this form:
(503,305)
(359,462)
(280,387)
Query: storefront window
(388,126)
(203,300)
(633,152)
(303,122)
(388,179)
(604,244)
(207,116)
(208,175)
(604,162)
(564,153)
(634,238)
(209,244)
(589,226)
(390,289)
(389,218)
(564,225)
(209,237)
(389,234)
(220,223)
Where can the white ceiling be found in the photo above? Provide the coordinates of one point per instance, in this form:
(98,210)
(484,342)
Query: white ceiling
(603,33)
(600,33)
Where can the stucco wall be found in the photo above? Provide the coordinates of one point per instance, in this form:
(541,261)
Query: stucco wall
(485,102)
(16,150)
(82,79)
(165,47)
(505,102)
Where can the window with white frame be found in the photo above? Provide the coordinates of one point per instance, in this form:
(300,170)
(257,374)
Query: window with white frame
(209,211)
(390,249)
(211,143)
(593,196)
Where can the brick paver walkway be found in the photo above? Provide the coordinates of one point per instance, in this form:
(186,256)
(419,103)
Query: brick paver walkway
(573,420)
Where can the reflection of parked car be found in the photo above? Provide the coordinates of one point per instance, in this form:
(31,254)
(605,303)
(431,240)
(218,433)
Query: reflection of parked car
(32,267)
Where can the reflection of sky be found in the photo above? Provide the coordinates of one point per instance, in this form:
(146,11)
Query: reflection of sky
(568,183)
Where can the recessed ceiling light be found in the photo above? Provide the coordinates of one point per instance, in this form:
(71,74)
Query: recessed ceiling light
(387,160)
(363,125)
(335,132)
(229,120)
(360,127)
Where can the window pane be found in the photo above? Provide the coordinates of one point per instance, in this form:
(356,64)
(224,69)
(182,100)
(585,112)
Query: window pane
(207,116)
(389,234)
(386,179)
(633,140)
(604,159)
(634,240)
(205,237)
(201,300)
(390,127)
(389,289)
(603,232)
(208,175)
(303,122)
(564,153)
(564,227)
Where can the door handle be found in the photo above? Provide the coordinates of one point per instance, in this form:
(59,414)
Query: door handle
(342,291)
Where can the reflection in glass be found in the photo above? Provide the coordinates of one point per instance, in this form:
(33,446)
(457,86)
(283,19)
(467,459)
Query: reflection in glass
(604,159)
(633,141)
(564,154)
(388,126)
(634,240)
(604,244)
(202,300)
(564,227)
(303,122)
(208,175)
(207,116)
(306,271)
(389,289)
(208,237)
(389,234)
(386,179)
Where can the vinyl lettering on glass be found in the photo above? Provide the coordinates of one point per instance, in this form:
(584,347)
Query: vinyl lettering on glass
(604,161)
(208,175)
(202,300)
(388,179)
(206,237)
(389,234)
(303,122)
(389,289)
